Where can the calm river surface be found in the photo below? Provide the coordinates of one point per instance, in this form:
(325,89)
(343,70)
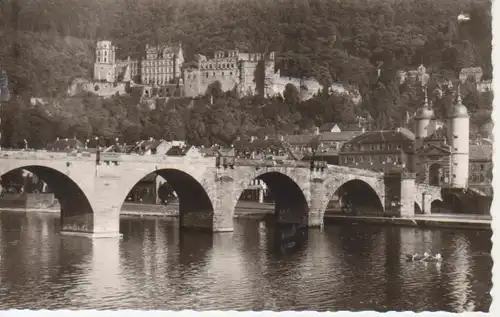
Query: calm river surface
(156,267)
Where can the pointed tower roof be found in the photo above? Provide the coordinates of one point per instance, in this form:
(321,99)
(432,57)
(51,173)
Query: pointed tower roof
(458,110)
(425,112)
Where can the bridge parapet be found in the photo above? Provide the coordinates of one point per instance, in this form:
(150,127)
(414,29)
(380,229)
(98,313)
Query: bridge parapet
(355,171)
(45,155)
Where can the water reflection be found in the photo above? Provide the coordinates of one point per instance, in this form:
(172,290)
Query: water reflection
(155,266)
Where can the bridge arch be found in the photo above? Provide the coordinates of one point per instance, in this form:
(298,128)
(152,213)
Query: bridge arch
(437,206)
(290,200)
(356,196)
(77,214)
(195,206)
(453,203)
(418,208)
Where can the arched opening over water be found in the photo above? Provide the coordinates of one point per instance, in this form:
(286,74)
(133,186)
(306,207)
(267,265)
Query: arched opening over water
(273,194)
(37,186)
(355,197)
(437,206)
(418,210)
(283,211)
(435,174)
(452,203)
(174,192)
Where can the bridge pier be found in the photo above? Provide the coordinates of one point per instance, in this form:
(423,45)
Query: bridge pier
(318,202)
(103,223)
(426,203)
(400,194)
(214,214)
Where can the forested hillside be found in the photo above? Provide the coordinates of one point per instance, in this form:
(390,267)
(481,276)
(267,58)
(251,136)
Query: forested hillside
(46,43)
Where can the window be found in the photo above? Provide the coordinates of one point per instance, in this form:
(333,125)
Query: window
(222,73)
(206,74)
(231,73)
(481,167)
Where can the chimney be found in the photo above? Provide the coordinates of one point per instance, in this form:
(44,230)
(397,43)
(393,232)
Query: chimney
(252,138)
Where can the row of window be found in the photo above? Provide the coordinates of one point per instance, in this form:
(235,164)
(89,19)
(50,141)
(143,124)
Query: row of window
(225,54)
(159,62)
(162,70)
(102,60)
(477,167)
(477,178)
(207,74)
(219,66)
(99,53)
(381,146)
(159,57)
(158,81)
(371,159)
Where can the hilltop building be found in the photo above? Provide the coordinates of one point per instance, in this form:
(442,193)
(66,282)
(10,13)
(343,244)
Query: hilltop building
(105,64)
(159,66)
(163,66)
(248,74)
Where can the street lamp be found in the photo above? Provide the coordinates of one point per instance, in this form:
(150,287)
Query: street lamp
(98,153)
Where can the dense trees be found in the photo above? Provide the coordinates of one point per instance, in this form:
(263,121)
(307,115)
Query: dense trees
(47,43)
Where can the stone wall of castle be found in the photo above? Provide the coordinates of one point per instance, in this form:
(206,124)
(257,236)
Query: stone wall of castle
(102,89)
(234,70)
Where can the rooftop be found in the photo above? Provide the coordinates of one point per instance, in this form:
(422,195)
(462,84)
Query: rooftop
(480,152)
(384,136)
(339,136)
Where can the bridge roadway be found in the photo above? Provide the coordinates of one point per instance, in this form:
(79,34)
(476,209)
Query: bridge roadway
(92,188)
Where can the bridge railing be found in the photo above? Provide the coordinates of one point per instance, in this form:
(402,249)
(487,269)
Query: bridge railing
(44,155)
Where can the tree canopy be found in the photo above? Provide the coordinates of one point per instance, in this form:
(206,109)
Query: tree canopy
(47,43)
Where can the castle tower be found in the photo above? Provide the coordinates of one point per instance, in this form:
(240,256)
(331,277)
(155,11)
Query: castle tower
(458,137)
(105,66)
(424,122)
(424,127)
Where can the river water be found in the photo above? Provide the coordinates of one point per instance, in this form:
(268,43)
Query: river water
(155,266)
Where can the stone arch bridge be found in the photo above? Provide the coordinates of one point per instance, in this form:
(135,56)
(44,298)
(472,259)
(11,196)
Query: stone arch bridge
(92,188)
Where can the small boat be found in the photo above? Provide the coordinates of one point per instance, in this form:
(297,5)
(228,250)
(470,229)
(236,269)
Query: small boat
(421,257)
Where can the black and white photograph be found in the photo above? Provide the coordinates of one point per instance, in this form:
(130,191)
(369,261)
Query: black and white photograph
(246,155)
